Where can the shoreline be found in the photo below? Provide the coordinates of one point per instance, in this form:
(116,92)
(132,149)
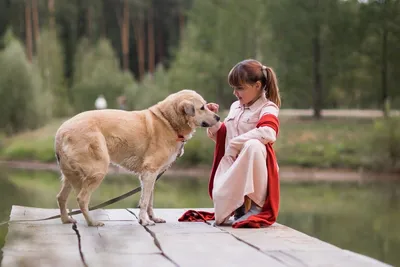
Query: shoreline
(286,173)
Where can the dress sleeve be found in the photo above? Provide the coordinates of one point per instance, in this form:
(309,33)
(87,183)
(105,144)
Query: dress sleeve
(263,134)
(269,108)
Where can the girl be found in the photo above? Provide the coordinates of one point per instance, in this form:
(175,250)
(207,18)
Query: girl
(244,177)
(245,170)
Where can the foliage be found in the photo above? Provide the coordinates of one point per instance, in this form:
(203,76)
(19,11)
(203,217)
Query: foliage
(194,69)
(50,61)
(282,34)
(25,105)
(153,88)
(356,57)
(385,144)
(217,36)
(98,73)
(352,44)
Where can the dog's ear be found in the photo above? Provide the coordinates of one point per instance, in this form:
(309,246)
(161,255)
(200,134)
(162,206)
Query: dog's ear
(187,108)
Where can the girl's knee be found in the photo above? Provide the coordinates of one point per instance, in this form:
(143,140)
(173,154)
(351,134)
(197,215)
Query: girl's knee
(254,144)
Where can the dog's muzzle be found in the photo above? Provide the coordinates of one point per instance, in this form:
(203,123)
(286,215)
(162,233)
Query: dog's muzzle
(205,124)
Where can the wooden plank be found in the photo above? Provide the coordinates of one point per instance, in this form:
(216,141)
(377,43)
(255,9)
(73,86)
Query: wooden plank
(281,238)
(124,242)
(56,258)
(200,244)
(334,258)
(287,245)
(173,226)
(295,248)
(121,242)
(26,213)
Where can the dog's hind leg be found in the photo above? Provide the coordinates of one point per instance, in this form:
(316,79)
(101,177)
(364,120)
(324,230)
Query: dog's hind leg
(147,181)
(62,198)
(151,212)
(89,184)
(91,173)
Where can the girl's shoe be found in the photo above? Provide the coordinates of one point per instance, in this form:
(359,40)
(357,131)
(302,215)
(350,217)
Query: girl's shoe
(254,209)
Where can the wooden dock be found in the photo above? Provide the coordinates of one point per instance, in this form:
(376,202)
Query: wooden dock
(124,242)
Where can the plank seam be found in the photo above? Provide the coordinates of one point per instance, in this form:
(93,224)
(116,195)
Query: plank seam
(156,241)
(75,228)
(247,243)
(288,255)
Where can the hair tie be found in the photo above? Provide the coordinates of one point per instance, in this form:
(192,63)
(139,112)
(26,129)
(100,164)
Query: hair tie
(264,71)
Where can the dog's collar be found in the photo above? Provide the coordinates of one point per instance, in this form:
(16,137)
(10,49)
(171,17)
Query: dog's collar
(181,138)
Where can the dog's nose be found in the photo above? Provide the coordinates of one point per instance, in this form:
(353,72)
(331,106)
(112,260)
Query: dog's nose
(217,117)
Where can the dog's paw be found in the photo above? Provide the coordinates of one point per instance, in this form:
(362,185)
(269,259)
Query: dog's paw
(68,220)
(157,220)
(96,224)
(146,222)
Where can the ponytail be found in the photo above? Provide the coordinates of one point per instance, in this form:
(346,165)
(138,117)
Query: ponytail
(272,89)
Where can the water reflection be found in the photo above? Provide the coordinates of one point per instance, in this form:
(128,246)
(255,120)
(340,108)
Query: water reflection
(364,218)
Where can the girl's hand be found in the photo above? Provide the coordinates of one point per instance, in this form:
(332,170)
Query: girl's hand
(213,107)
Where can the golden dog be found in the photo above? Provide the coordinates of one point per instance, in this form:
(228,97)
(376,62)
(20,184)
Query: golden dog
(145,142)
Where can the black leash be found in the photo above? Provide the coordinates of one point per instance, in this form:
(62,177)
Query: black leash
(109,202)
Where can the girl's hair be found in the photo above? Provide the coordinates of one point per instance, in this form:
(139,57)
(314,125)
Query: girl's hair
(250,71)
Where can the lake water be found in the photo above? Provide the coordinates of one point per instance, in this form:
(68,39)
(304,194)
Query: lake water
(363,218)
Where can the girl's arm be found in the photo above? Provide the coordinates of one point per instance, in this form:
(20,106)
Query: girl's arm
(264,134)
(212,131)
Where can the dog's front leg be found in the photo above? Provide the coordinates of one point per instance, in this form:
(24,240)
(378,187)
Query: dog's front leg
(151,212)
(147,181)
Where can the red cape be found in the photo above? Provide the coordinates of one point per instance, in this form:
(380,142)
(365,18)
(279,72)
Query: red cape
(270,209)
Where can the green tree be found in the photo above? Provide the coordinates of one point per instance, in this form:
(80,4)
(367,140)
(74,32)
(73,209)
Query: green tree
(153,88)
(381,20)
(302,37)
(217,36)
(25,105)
(50,61)
(97,72)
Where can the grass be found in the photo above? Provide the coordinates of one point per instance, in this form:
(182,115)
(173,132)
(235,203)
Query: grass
(31,145)
(328,143)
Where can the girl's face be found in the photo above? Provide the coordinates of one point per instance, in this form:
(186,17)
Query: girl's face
(248,93)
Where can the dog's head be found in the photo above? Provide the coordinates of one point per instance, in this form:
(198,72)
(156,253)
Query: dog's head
(193,107)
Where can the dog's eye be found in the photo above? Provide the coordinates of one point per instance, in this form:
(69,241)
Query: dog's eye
(202,107)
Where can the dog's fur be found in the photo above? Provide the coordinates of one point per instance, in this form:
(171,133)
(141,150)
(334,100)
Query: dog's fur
(145,142)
